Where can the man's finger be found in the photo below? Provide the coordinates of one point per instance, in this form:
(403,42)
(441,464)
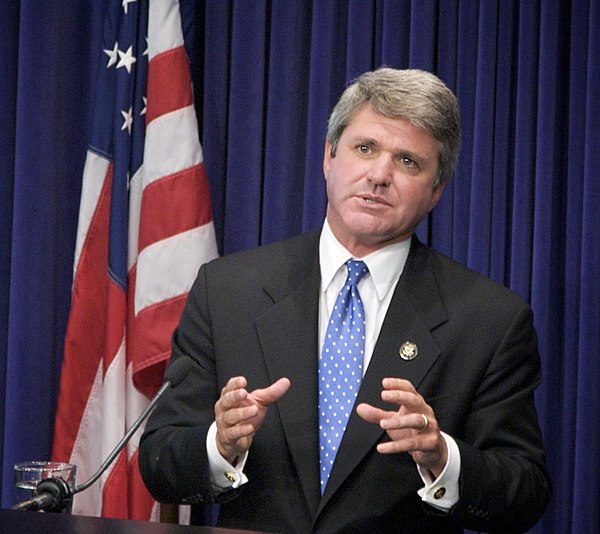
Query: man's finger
(236,382)
(232,399)
(371,414)
(239,415)
(272,393)
(399,384)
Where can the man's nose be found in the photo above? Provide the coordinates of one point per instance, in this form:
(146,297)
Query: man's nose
(381,170)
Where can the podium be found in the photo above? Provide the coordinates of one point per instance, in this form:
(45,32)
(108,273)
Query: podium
(12,521)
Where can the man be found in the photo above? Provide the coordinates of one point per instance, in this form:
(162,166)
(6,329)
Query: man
(443,434)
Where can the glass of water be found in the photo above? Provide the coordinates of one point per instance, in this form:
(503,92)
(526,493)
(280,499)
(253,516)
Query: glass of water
(29,474)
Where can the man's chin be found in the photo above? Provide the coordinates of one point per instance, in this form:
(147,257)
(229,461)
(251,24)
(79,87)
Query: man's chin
(370,228)
(372,237)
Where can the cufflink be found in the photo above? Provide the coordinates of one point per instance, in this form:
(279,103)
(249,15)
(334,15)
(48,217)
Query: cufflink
(439,493)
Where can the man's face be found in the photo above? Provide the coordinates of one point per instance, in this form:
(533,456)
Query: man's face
(380,182)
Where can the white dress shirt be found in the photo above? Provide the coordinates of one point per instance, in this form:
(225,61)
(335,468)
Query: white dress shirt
(376,290)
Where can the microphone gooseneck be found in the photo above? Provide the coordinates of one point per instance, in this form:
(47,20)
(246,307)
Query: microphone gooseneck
(173,377)
(54,494)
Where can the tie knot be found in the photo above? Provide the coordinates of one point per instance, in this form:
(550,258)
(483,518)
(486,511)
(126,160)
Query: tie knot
(356,270)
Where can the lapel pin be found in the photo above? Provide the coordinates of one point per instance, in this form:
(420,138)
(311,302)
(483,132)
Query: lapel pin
(408,351)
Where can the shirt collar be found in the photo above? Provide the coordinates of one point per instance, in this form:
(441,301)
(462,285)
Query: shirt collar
(385,265)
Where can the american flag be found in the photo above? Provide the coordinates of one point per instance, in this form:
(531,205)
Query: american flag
(145,227)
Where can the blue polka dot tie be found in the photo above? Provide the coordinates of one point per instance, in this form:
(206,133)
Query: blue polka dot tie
(340,367)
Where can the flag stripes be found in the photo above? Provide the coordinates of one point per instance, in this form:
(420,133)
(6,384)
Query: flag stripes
(145,211)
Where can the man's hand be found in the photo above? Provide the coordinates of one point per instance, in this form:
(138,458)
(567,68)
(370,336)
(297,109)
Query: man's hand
(240,414)
(413,428)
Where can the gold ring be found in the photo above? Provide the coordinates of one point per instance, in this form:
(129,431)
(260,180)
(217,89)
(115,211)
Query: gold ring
(425,423)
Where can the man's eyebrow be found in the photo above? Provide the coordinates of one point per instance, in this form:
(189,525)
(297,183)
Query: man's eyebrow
(407,153)
(369,141)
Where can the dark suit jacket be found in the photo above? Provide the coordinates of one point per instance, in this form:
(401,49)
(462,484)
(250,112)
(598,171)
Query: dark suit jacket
(256,314)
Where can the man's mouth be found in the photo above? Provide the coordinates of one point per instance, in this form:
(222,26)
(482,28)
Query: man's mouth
(369,199)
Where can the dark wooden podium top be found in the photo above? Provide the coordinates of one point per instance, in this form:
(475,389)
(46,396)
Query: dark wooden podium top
(15,521)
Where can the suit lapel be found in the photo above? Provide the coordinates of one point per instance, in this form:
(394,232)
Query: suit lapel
(288,334)
(415,309)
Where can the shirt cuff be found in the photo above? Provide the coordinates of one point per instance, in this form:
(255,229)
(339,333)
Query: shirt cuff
(443,492)
(223,475)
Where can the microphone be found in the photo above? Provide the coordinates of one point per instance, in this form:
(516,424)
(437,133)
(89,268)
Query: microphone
(54,494)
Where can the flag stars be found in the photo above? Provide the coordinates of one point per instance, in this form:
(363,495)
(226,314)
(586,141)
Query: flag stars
(125,4)
(126,59)
(127,120)
(112,55)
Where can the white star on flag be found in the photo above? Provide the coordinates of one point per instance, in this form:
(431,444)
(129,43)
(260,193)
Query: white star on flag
(126,60)
(143,112)
(112,55)
(125,4)
(128,116)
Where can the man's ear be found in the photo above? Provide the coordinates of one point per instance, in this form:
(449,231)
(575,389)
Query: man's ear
(326,158)
(437,194)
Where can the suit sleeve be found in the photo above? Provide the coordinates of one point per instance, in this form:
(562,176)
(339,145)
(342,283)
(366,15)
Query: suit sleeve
(504,485)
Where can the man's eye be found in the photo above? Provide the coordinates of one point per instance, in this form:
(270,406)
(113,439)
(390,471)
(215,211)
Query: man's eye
(364,149)
(407,161)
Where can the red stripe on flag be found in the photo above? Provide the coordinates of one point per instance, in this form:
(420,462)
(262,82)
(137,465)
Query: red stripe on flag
(140,501)
(169,83)
(115,489)
(149,339)
(155,325)
(174,204)
(85,337)
(115,315)
(124,493)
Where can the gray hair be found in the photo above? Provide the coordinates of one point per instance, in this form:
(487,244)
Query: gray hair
(415,95)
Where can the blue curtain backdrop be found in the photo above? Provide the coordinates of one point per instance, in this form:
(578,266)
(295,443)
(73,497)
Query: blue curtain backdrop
(523,207)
